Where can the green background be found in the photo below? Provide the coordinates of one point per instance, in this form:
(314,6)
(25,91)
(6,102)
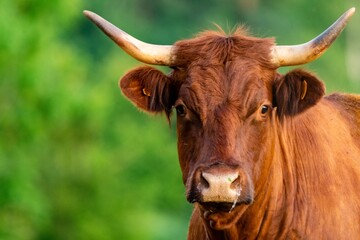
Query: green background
(78,161)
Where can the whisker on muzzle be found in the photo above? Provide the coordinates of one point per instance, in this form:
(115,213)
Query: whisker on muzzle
(238,193)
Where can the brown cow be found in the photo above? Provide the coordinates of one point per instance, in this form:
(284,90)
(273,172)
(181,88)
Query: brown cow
(263,155)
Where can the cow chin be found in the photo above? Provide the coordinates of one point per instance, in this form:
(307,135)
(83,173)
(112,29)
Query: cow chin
(222,215)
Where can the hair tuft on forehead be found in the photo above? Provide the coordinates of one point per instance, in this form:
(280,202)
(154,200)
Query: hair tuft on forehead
(215,47)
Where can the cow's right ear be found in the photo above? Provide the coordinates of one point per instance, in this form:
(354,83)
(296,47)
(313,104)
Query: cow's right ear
(149,89)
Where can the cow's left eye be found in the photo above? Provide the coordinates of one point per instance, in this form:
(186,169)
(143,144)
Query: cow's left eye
(264,109)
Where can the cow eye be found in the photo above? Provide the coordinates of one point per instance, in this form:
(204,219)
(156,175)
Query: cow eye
(181,110)
(264,109)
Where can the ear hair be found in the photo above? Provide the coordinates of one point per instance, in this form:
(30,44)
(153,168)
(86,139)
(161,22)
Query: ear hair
(303,89)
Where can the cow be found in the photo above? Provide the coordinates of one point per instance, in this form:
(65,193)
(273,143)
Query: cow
(263,155)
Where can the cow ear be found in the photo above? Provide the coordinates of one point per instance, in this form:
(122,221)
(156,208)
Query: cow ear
(297,91)
(149,89)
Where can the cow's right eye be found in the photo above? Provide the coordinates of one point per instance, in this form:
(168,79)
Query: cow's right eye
(181,110)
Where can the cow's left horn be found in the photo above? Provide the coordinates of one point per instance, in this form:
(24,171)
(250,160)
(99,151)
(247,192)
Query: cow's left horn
(144,52)
(307,52)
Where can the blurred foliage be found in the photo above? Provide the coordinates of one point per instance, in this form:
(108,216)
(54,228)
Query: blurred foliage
(77,161)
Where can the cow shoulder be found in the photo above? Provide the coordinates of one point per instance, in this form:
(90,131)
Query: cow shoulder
(348,102)
(296,91)
(149,89)
(349,107)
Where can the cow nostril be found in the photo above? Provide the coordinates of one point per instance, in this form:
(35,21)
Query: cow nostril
(203,182)
(234,183)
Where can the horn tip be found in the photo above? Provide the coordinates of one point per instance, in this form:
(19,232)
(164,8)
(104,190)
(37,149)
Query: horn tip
(99,21)
(88,13)
(351,11)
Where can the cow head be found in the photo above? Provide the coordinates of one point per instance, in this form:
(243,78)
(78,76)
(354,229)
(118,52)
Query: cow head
(227,95)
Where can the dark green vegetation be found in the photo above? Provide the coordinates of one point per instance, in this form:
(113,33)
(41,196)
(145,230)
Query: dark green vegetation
(77,161)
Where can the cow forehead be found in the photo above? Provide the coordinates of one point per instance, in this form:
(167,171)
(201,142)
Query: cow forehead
(241,86)
(227,80)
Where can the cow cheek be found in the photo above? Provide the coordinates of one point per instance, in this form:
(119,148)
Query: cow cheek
(184,160)
(188,147)
(187,153)
(252,146)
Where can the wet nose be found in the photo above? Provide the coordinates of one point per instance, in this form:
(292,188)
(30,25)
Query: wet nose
(220,187)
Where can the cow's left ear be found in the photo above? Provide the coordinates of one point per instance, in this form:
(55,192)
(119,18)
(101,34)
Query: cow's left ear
(149,89)
(297,91)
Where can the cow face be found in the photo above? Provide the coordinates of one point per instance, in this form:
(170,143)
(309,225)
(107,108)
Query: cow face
(221,116)
(226,97)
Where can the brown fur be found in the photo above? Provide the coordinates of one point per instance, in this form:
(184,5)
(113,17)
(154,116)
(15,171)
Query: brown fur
(299,162)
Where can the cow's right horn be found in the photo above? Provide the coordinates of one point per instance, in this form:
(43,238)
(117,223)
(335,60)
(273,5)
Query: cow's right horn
(144,52)
(307,52)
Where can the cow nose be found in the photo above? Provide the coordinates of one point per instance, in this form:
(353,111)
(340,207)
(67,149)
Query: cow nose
(220,187)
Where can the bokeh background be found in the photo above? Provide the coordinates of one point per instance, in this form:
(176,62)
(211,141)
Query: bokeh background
(78,161)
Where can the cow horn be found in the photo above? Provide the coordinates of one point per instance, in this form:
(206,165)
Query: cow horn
(307,52)
(144,52)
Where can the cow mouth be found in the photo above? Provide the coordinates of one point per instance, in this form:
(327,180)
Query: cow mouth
(215,207)
(223,207)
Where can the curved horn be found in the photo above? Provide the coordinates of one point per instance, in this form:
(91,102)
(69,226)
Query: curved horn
(307,52)
(144,52)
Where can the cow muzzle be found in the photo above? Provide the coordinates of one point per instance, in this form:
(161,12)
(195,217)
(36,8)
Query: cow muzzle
(220,187)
